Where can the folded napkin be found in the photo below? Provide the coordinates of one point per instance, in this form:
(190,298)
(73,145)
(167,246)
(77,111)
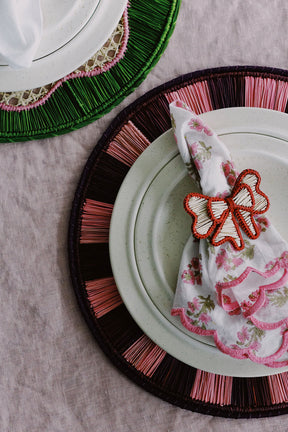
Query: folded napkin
(20,31)
(233,278)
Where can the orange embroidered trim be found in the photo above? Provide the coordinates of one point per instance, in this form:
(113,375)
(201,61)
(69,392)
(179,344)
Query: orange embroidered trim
(223,217)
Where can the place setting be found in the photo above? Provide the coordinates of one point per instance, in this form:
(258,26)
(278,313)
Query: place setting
(63,66)
(176,241)
(192,317)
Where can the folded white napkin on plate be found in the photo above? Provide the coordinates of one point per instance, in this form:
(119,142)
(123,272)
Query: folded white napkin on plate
(233,276)
(20,31)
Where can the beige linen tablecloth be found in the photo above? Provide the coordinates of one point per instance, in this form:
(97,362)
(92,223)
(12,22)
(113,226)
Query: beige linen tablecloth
(54,377)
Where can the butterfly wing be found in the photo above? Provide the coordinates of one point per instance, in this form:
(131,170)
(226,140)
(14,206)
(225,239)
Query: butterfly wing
(196,206)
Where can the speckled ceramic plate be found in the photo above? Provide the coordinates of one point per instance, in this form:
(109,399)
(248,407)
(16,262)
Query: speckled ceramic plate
(149,228)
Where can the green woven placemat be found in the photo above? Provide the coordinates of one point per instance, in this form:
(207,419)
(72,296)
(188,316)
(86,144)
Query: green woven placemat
(80,101)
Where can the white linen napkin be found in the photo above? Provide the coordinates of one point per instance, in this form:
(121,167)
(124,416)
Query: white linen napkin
(236,293)
(20,31)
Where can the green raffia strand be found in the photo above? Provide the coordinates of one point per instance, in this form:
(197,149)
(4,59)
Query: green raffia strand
(80,101)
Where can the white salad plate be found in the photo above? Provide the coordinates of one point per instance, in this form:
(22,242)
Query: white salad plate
(149,228)
(73,31)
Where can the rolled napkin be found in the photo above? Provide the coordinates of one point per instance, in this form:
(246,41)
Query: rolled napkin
(20,31)
(233,278)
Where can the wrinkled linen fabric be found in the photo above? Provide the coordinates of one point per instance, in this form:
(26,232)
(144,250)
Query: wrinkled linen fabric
(20,32)
(221,291)
(54,375)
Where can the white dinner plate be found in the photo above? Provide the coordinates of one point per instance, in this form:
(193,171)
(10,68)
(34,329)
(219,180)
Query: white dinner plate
(149,228)
(73,31)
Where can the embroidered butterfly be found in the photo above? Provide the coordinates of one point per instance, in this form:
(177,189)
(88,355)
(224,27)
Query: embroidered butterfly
(221,218)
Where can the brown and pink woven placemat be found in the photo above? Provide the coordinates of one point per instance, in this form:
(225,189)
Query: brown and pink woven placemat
(119,336)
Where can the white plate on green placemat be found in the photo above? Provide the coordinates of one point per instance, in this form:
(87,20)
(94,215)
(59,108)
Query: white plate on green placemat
(73,30)
(149,228)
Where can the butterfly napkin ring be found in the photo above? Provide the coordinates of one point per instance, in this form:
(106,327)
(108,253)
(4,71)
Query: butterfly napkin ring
(221,218)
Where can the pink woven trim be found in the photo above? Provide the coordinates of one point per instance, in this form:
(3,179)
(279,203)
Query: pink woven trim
(72,75)
(95,222)
(195,96)
(145,355)
(239,354)
(128,144)
(212,388)
(266,93)
(103,295)
(278,385)
(261,301)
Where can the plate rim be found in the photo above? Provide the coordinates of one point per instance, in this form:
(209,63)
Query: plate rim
(243,116)
(61,62)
